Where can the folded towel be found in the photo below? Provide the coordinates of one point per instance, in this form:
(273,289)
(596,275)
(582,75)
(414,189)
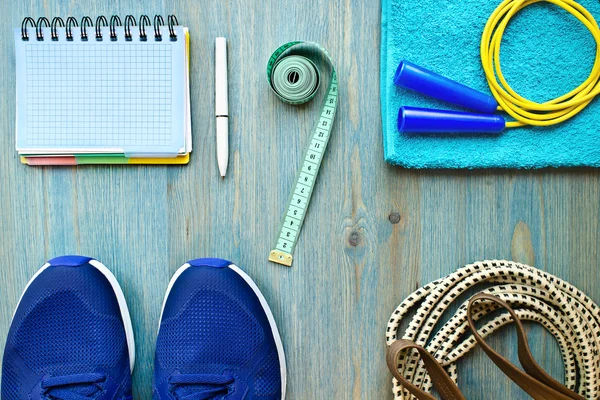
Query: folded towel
(545,53)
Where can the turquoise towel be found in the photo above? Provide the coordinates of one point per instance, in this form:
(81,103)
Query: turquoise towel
(546,52)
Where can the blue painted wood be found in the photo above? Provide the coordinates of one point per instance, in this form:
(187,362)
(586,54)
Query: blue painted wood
(352,265)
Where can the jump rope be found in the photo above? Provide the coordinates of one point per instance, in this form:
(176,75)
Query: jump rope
(505,98)
(566,312)
(421,359)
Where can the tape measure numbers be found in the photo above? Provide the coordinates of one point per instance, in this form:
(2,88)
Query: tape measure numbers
(295,80)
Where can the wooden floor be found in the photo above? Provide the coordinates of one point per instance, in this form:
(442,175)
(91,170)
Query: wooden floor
(352,264)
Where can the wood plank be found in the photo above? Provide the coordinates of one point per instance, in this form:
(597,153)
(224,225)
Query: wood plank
(352,265)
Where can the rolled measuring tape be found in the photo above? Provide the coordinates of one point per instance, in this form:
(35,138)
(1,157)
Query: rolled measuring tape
(531,295)
(295,79)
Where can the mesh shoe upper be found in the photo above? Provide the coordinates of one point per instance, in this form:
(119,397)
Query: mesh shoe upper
(215,340)
(67,339)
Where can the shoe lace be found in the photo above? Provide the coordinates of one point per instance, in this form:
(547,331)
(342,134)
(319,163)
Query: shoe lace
(73,387)
(210,385)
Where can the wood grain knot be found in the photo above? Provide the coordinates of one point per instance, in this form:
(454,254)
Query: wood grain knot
(522,245)
(354,238)
(394,217)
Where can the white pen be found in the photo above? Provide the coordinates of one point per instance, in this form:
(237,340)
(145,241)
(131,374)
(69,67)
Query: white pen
(221,105)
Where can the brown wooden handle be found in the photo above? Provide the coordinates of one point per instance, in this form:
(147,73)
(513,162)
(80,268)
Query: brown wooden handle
(440,378)
(535,381)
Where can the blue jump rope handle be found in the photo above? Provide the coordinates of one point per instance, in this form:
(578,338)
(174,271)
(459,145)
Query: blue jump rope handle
(419,79)
(425,120)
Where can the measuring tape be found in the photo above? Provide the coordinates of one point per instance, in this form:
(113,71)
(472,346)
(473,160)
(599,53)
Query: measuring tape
(295,80)
(535,295)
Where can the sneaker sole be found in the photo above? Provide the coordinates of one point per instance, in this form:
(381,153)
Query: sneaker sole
(120,299)
(265,306)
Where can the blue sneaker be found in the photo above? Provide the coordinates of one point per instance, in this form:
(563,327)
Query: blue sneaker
(70,337)
(217,337)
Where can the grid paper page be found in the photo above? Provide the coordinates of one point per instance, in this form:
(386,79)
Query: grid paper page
(83,96)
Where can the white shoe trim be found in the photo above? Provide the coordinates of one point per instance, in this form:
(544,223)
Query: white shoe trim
(39,271)
(276,336)
(263,303)
(122,306)
(171,283)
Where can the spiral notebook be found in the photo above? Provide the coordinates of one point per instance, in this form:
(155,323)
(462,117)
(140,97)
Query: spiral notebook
(108,92)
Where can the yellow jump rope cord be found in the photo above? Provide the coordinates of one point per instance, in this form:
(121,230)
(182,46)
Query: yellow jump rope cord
(524,111)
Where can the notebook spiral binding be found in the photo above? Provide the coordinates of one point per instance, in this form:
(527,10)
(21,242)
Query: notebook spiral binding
(86,22)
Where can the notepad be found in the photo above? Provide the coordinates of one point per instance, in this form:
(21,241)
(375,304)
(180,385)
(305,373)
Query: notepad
(121,97)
